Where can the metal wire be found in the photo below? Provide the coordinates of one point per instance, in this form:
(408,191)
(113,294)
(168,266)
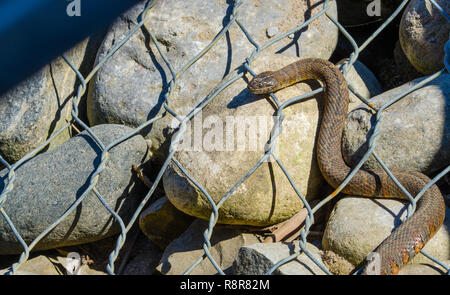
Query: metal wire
(183,121)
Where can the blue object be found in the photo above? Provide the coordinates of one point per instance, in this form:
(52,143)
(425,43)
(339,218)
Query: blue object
(33,32)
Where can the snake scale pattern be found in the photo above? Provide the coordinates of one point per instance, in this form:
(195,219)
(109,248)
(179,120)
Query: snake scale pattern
(410,237)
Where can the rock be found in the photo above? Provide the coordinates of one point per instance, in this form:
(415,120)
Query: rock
(358,225)
(40,265)
(423,32)
(47,264)
(266,197)
(144,258)
(414,130)
(188,248)
(130,86)
(35,109)
(258,258)
(424,269)
(94,43)
(220,161)
(363,81)
(47,185)
(161,222)
(336,264)
(355,12)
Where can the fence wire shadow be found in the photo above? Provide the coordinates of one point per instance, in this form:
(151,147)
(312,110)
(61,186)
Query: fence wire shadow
(183,121)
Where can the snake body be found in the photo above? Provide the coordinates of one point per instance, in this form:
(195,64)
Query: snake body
(410,237)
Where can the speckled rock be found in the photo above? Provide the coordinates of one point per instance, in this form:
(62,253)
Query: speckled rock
(266,197)
(40,265)
(257,259)
(336,264)
(354,12)
(363,81)
(46,186)
(35,109)
(414,130)
(358,225)
(130,87)
(161,222)
(423,32)
(430,268)
(188,248)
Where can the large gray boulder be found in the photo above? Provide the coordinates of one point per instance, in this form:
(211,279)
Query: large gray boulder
(130,86)
(423,32)
(226,139)
(358,225)
(266,197)
(415,131)
(182,252)
(39,106)
(47,185)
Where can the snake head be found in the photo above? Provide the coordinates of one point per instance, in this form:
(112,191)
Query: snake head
(264,83)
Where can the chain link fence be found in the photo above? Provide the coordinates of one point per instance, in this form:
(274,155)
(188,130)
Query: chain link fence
(183,121)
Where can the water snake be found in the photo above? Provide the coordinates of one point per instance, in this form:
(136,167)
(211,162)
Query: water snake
(407,240)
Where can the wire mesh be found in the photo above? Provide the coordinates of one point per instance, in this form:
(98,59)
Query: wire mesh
(183,121)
